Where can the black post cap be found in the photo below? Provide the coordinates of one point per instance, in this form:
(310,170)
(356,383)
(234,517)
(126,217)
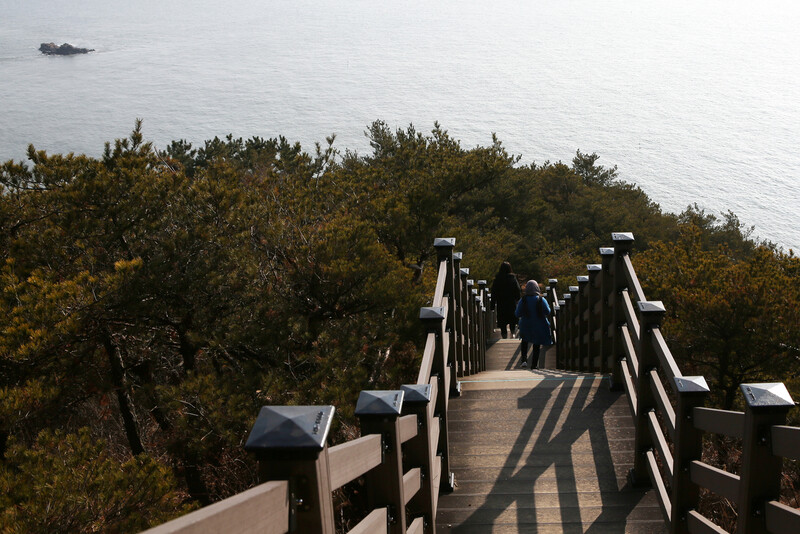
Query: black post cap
(379,403)
(690,384)
(416,393)
(290,427)
(769,395)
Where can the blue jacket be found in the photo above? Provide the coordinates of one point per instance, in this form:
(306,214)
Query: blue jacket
(533,328)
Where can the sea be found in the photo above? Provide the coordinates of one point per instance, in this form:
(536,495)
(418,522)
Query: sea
(695,101)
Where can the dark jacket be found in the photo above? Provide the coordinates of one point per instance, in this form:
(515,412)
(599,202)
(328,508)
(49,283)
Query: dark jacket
(534,325)
(505,294)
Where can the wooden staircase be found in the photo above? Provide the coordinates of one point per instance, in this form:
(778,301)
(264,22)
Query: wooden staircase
(542,451)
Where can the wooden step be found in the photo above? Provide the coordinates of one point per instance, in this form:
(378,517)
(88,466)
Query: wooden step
(542,451)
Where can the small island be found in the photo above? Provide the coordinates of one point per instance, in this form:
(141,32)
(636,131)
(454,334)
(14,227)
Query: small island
(66,49)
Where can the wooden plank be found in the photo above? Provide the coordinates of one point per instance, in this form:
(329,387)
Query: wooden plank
(435,429)
(661,443)
(723,422)
(630,316)
(786,442)
(412,482)
(665,356)
(375,522)
(782,518)
(633,280)
(664,405)
(352,459)
(658,484)
(630,390)
(408,427)
(263,509)
(434,384)
(437,480)
(720,482)
(441,283)
(698,524)
(416,527)
(426,365)
(630,353)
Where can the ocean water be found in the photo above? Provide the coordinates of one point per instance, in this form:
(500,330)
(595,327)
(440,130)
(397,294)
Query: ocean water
(696,102)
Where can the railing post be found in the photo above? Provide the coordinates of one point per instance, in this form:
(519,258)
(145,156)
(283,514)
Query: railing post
(465,322)
(760,479)
(472,321)
(490,321)
(574,329)
(606,312)
(482,307)
(290,443)
(420,452)
(378,413)
(458,315)
(566,326)
(560,335)
(592,321)
(444,250)
(690,392)
(552,297)
(622,247)
(583,324)
(433,318)
(650,315)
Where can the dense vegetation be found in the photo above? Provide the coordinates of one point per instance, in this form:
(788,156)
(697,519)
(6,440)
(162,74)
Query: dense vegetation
(153,300)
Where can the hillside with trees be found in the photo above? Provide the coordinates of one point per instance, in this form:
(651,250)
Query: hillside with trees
(154,299)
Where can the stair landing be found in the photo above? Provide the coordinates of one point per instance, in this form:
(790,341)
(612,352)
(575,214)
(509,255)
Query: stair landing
(542,451)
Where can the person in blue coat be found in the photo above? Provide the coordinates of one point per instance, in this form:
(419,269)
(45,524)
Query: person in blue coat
(534,325)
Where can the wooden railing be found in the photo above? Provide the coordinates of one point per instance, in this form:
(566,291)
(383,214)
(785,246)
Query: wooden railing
(605,324)
(403,454)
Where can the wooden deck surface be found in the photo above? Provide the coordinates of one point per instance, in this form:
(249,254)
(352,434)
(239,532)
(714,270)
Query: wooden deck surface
(542,452)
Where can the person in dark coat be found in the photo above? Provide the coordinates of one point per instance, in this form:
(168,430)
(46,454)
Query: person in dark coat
(505,294)
(534,326)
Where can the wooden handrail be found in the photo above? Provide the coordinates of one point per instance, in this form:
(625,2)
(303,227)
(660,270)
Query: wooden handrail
(351,459)
(724,422)
(717,480)
(427,359)
(669,428)
(264,508)
(786,442)
(374,522)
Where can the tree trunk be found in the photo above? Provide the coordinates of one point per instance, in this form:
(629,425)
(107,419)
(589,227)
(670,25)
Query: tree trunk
(3,445)
(188,467)
(187,348)
(117,380)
